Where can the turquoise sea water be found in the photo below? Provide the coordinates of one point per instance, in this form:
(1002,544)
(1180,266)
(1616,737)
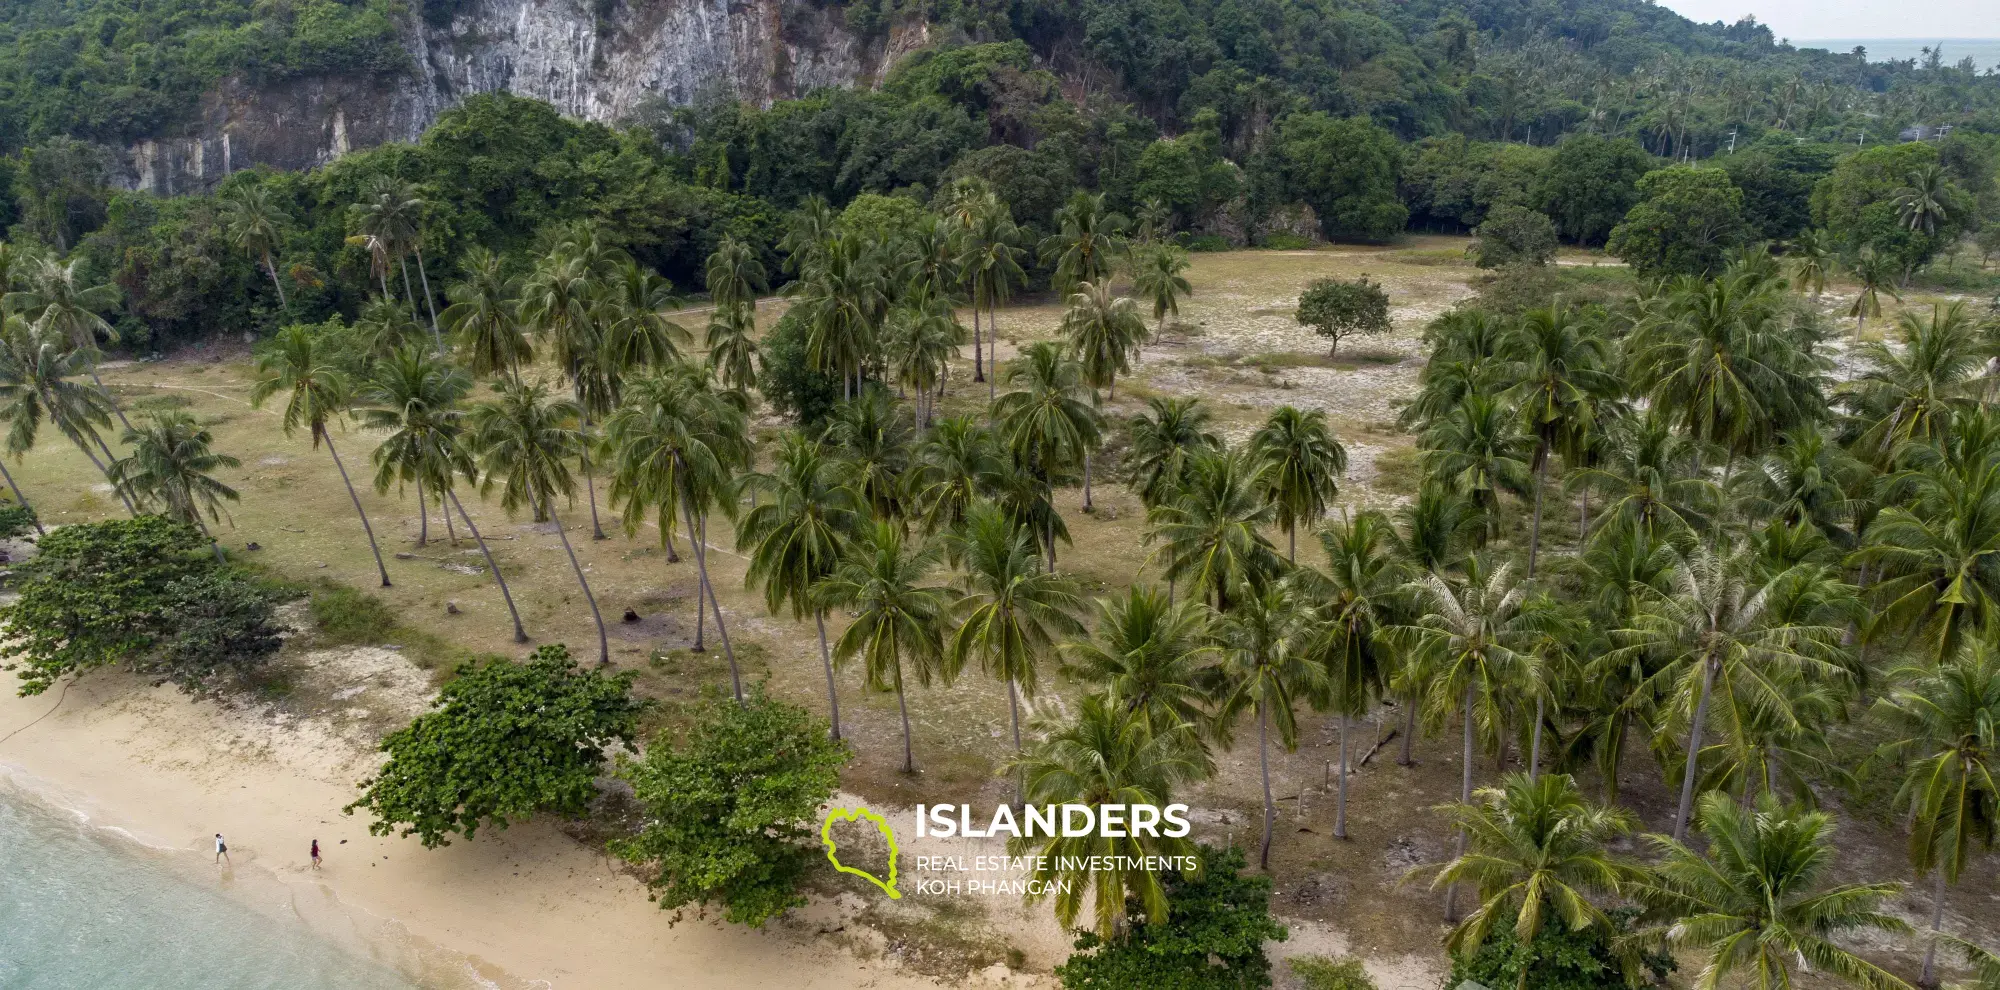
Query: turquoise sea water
(1985,52)
(83,909)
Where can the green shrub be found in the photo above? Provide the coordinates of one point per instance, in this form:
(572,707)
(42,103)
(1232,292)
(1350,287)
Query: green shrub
(344,616)
(1287,242)
(1208,242)
(15,520)
(1322,973)
(1212,939)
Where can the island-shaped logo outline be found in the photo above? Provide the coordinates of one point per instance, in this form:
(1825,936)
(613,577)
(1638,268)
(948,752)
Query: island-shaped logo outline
(833,850)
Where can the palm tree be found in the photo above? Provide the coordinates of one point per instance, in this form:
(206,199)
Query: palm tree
(1103,331)
(1105,756)
(172,467)
(1165,438)
(1811,254)
(1211,535)
(1557,365)
(53,301)
(1939,556)
(1085,241)
(1012,612)
(315,393)
(1479,451)
(990,257)
(796,539)
(956,464)
(256,227)
(1537,849)
(1356,601)
(925,337)
(414,397)
(843,296)
(1909,392)
(1299,464)
(1877,274)
(1714,626)
(35,372)
(1809,479)
(875,442)
(1047,423)
(1649,480)
(1757,899)
(483,317)
(898,621)
(734,277)
(1161,280)
(1921,205)
(390,215)
(1946,724)
(525,442)
(1155,659)
(1268,668)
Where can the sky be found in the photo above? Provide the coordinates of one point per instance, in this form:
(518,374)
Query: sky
(1928,19)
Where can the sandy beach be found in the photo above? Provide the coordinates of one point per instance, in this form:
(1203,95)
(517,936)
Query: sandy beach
(524,907)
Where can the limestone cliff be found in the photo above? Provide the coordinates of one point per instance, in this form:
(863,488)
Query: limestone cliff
(558,51)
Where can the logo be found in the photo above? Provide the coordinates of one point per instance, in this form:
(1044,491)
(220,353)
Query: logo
(833,850)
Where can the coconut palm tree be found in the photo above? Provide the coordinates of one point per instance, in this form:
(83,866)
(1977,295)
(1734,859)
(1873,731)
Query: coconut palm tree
(956,464)
(256,226)
(1104,332)
(483,316)
(1479,451)
(1757,899)
(1105,756)
(1807,478)
(734,274)
(36,368)
(1908,392)
(899,621)
(390,215)
(1811,255)
(1537,850)
(52,300)
(1922,204)
(843,296)
(1161,279)
(732,348)
(1556,362)
(1945,723)
(1267,668)
(172,469)
(924,338)
(990,256)
(1047,422)
(1165,438)
(797,537)
(1356,601)
(875,443)
(1939,556)
(1299,464)
(1085,243)
(1649,480)
(1012,612)
(315,394)
(1211,535)
(414,398)
(525,441)
(1156,659)
(1877,274)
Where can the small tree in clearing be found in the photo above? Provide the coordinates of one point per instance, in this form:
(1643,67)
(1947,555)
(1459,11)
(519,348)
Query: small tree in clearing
(1338,309)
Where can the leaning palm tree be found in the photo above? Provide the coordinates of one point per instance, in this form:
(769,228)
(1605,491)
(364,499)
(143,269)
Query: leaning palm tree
(390,215)
(53,301)
(1161,279)
(36,369)
(1537,849)
(1756,899)
(1945,721)
(255,225)
(1012,612)
(1299,464)
(797,537)
(315,393)
(1155,659)
(172,469)
(1211,535)
(483,317)
(1268,668)
(1048,423)
(525,442)
(1104,756)
(898,619)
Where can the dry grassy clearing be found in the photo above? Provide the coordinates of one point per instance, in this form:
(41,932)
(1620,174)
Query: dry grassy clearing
(1235,344)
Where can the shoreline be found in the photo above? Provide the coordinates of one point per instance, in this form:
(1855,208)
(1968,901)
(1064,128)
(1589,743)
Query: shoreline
(527,906)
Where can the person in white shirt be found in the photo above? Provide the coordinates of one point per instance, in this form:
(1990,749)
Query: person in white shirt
(221,850)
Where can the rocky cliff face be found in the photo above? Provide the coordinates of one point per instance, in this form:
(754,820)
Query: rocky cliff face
(552,50)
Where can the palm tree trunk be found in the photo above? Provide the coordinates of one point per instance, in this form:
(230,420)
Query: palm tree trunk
(1694,751)
(700,600)
(520,635)
(1014,710)
(1340,806)
(1535,527)
(826,661)
(1929,977)
(356,499)
(1292,543)
(22,499)
(1264,763)
(1409,731)
(701,565)
(978,366)
(104,468)
(450,530)
(275,284)
(429,303)
(1464,797)
(603,640)
(423,516)
(992,330)
(903,706)
(1535,741)
(410,295)
(1087,507)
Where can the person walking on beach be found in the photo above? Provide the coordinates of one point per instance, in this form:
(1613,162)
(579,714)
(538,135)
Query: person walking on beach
(221,850)
(315,854)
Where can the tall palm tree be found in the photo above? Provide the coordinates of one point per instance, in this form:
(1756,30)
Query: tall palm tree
(315,394)
(957,463)
(1714,627)
(525,441)
(1155,659)
(1939,556)
(390,215)
(1922,204)
(414,396)
(1909,392)
(1479,451)
(1012,612)
(1165,438)
(924,337)
(1356,601)
(1876,272)
(1268,668)
(1557,364)
(734,277)
(1299,464)
(1537,849)
(1105,756)
(1211,535)
(796,539)
(483,317)
(52,300)
(1161,279)
(843,295)
(1811,255)
(1047,422)
(1945,721)
(1649,480)
(991,257)
(898,621)
(172,468)
(256,225)
(1104,332)
(1757,899)
(875,442)
(1085,243)
(36,368)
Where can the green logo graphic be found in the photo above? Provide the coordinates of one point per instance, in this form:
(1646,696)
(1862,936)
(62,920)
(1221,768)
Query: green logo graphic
(833,851)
